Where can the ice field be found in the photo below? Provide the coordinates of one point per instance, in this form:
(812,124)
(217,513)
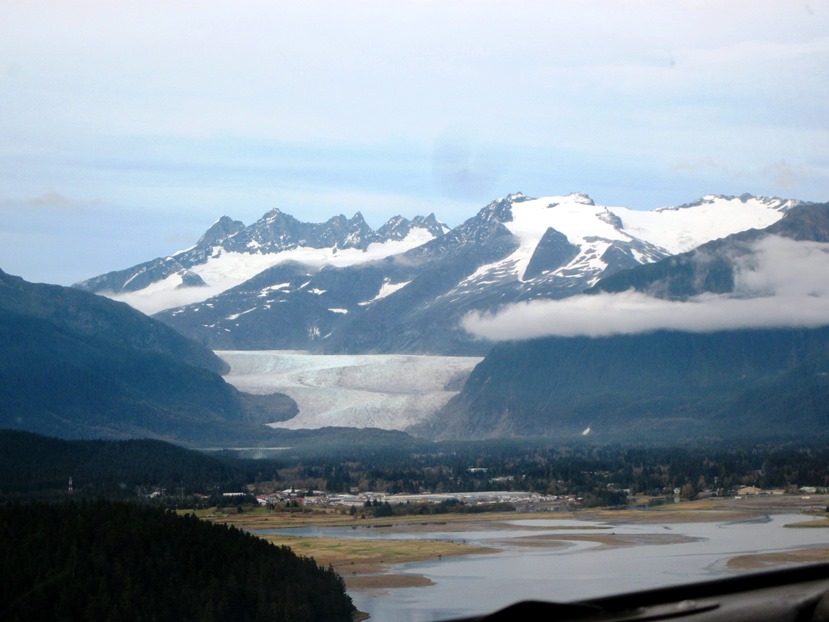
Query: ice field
(388,391)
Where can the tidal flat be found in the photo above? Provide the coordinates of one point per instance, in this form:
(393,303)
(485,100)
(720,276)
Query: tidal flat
(408,568)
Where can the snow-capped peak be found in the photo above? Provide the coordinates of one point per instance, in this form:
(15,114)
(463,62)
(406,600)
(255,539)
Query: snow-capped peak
(578,197)
(593,240)
(575,215)
(219,231)
(559,240)
(683,228)
(230,253)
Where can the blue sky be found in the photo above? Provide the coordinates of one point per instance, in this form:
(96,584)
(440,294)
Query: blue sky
(126,129)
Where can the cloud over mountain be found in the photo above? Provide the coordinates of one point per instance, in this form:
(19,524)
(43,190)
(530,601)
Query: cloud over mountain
(778,283)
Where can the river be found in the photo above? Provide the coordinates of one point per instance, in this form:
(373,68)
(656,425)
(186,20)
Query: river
(530,566)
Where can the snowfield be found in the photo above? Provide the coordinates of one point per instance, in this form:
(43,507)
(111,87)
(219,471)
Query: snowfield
(668,230)
(388,391)
(225,269)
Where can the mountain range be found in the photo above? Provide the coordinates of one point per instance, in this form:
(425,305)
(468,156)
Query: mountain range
(339,287)
(752,382)
(230,253)
(77,365)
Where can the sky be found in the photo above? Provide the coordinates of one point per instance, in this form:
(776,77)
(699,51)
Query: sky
(127,129)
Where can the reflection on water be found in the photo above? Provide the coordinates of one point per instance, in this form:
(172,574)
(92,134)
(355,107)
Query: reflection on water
(479,583)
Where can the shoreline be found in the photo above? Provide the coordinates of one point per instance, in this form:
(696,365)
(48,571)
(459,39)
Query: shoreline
(367,564)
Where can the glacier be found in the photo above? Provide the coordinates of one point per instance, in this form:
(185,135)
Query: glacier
(390,392)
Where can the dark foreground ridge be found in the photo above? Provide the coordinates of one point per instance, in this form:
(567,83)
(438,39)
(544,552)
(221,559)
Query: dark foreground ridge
(76,365)
(114,561)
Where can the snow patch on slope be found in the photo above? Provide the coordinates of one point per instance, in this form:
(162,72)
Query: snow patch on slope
(576,216)
(680,229)
(570,215)
(386,289)
(780,283)
(224,270)
(594,227)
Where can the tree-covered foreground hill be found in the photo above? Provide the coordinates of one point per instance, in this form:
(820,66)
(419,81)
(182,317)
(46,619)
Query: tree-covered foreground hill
(113,561)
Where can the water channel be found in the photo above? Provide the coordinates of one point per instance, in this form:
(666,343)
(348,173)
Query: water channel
(664,554)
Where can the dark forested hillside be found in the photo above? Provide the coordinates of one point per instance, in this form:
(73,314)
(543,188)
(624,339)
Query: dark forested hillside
(31,464)
(35,466)
(85,315)
(660,385)
(75,365)
(111,561)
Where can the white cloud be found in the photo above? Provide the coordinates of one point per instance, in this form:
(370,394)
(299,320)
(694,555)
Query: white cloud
(50,199)
(784,267)
(782,283)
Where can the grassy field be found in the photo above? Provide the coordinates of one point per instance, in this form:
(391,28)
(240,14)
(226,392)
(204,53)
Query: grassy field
(605,540)
(765,561)
(261,518)
(817,523)
(688,511)
(365,563)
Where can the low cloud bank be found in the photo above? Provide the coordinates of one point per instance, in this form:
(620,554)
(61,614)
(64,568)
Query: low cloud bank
(780,283)
(157,300)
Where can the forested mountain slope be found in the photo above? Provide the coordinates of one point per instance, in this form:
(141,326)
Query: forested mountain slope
(75,365)
(653,386)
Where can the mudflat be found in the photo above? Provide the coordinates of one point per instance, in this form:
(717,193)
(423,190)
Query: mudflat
(367,564)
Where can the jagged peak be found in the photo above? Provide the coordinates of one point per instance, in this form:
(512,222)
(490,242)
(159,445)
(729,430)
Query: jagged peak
(396,221)
(612,219)
(581,198)
(431,223)
(225,219)
(399,227)
(275,215)
(427,221)
(500,210)
(337,218)
(224,228)
(342,220)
